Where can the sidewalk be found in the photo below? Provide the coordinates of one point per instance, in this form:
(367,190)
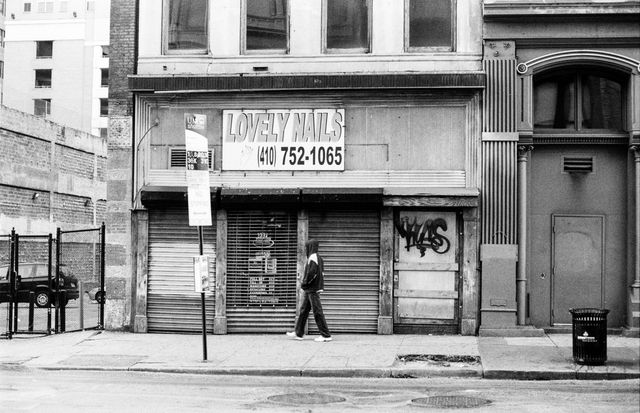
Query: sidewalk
(349,355)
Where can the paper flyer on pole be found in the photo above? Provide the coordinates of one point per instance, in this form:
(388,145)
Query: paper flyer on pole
(197,153)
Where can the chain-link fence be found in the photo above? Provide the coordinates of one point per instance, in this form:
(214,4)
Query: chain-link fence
(80,255)
(52,285)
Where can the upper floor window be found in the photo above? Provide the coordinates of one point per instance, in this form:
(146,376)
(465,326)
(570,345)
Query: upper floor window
(44,49)
(1,69)
(429,25)
(266,24)
(104,77)
(105,50)
(2,33)
(347,25)
(64,6)
(185,26)
(26,7)
(45,7)
(3,7)
(43,77)
(578,100)
(42,107)
(104,107)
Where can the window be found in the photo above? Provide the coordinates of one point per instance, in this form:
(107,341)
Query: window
(3,7)
(429,25)
(1,69)
(44,49)
(43,77)
(104,107)
(347,25)
(105,51)
(104,133)
(2,32)
(64,6)
(42,107)
(27,7)
(45,7)
(91,6)
(186,26)
(578,100)
(266,25)
(104,77)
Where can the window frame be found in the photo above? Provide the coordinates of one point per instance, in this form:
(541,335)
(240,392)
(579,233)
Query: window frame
(325,32)
(430,49)
(243,33)
(165,33)
(38,42)
(104,70)
(47,107)
(35,78)
(105,113)
(577,72)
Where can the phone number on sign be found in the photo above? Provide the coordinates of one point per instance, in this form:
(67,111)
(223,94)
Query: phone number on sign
(300,156)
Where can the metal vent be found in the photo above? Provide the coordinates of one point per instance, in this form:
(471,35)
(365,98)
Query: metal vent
(577,164)
(178,158)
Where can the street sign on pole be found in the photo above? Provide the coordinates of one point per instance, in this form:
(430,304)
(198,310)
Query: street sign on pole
(201,273)
(199,199)
(197,152)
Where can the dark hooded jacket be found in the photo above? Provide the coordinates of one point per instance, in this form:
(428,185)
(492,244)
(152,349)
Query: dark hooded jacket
(313,279)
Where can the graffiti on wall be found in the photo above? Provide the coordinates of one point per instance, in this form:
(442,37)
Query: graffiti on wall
(424,235)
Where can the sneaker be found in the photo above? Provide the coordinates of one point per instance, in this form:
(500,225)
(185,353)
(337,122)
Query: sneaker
(293,335)
(322,339)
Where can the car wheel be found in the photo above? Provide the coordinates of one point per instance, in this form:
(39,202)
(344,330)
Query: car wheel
(100,297)
(42,299)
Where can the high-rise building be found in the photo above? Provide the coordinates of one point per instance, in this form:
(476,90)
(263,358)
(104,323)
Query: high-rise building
(56,61)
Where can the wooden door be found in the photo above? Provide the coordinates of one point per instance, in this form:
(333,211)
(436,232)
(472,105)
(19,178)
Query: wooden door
(426,272)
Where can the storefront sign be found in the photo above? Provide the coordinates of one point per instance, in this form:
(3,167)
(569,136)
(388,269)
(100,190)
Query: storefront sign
(198,190)
(283,140)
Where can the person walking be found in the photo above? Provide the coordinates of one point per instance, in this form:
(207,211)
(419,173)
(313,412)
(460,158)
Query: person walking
(312,285)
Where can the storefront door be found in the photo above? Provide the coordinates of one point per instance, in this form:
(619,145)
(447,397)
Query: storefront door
(426,272)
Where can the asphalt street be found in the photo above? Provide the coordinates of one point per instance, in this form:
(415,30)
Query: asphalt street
(30,390)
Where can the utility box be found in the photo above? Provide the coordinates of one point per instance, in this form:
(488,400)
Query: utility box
(498,308)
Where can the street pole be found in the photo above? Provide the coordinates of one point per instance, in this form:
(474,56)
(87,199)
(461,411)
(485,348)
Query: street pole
(204,316)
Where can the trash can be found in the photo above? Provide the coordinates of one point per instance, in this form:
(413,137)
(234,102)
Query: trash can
(589,335)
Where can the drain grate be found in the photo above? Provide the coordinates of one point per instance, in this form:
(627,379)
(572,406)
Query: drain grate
(450,402)
(305,398)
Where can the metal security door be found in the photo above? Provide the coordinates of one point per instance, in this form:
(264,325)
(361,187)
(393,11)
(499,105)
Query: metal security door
(350,246)
(426,273)
(172,303)
(577,263)
(261,271)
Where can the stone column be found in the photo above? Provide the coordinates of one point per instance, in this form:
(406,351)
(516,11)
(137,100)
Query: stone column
(521,275)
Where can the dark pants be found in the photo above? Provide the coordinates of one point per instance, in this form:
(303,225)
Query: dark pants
(311,300)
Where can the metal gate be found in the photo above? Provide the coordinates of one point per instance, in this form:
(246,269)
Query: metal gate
(261,271)
(172,303)
(44,292)
(350,246)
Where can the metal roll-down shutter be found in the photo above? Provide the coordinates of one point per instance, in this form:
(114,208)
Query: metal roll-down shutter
(172,303)
(350,246)
(261,271)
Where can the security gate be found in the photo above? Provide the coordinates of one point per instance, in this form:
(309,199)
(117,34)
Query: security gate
(172,303)
(261,271)
(350,246)
(52,285)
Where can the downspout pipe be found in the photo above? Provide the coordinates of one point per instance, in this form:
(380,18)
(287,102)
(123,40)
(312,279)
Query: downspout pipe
(521,274)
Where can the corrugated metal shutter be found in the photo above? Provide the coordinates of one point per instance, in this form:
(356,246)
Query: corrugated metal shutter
(172,303)
(350,246)
(261,271)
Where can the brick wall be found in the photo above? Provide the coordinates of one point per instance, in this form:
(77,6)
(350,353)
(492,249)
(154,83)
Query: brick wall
(50,175)
(119,266)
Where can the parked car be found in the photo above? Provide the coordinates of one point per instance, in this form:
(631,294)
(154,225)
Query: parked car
(34,277)
(96,295)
